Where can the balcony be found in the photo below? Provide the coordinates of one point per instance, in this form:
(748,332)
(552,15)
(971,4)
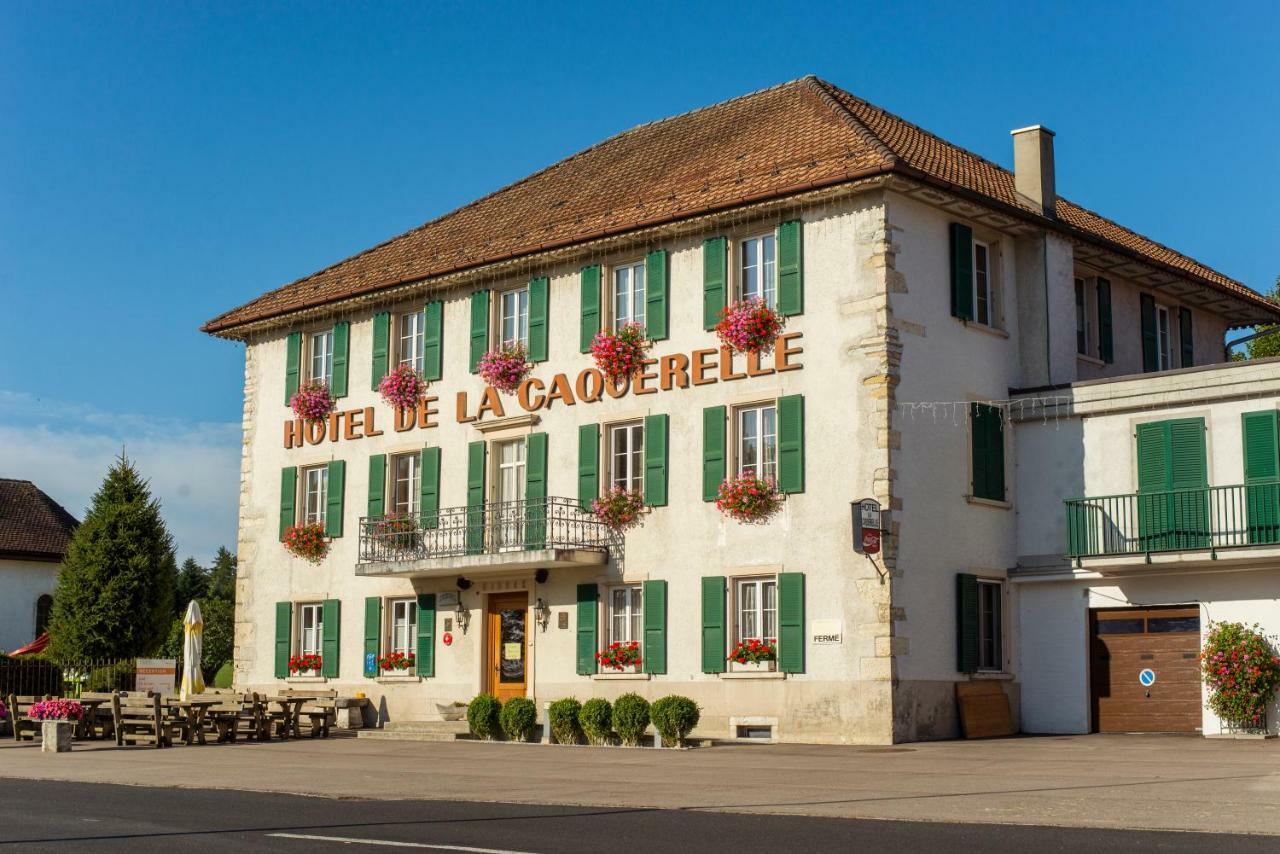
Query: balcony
(1146,523)
(508,535)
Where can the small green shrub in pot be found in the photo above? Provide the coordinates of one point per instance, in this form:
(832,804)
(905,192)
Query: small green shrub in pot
(564,720)
(519,718)
(630,718)
(483,716)
(675,717)
(596,720)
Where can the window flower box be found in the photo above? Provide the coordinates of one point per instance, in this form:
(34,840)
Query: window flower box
(397,663)
(402,388)
(307,542)
(620,657)
(754,656)
(313,402)
(505,368)
(620,355)
(749,326)
(308,664)
(749,499)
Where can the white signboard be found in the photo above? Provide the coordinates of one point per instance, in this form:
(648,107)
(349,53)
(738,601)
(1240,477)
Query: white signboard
(157,674)
(446,600)
(826,632)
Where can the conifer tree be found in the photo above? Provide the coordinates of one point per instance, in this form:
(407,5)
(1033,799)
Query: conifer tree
(193,583)
(222,576)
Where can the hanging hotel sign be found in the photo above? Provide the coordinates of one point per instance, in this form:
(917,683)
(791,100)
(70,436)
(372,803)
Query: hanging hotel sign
(665,373)
(867,526)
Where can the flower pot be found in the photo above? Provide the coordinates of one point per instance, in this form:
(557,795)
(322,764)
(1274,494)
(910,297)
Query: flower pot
(755,667)
(55,736)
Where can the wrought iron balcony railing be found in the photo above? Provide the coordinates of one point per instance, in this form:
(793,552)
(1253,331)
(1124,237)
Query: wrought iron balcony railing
(1213,517)
(509,526)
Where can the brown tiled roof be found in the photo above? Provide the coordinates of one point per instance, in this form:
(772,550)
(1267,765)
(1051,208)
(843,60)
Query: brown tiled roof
(798,136)
(31,523)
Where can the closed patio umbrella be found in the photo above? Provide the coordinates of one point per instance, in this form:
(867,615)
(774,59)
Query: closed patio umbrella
(192,643)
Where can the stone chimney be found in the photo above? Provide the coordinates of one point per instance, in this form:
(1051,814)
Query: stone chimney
(1033,167)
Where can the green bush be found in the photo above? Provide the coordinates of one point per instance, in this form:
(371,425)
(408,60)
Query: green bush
(564,720)
(630,718)
(223,678)
(675,717)
(483,716)
(519,718)
(112,677)
(596,720)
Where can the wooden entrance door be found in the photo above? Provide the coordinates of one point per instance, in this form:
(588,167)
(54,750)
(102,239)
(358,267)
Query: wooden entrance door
(1126,641)
(506,620)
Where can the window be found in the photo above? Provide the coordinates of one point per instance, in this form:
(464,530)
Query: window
(403,628)
(625,615)
(628,295)
(983,309)
(409,349)
(514,318)
(310,640)
(990,639)
(1164,338)
(44,608)
(758,442)
(756,614)
(406,476)
(507,520)
(320,347)
(1086,314)
(315,494)
(626,457)
(757,269)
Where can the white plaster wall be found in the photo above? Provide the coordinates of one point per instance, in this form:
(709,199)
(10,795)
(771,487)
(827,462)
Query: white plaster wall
(22,582)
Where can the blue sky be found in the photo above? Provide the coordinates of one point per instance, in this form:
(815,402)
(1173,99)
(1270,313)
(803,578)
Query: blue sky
(160,163)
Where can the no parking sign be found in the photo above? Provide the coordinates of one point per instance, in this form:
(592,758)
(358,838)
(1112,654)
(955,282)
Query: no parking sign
(1147,677)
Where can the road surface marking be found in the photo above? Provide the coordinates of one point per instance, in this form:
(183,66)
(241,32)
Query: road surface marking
(393,844)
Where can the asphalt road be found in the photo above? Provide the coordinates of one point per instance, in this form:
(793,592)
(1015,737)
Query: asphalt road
(38,816)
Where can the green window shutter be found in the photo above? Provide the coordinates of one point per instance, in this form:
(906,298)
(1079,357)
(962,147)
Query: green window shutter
(372,634)
(377,486)
(791,622)
(588,464)
(714,428)
(341,352)
(715,280)
(961,271)
(590,307)
(284,638)
(1153,460)
(475,497)
(479,328)
(426,652)
(1189,471)
(1150,348)
(535,491)
(539,308)
(791,443)
(429,488)
(1106,345)
(790,268)
(987,448)
(292,365)
(655,460)
(655,294)
(334,507)
(381,347)
(1261,441)
(288,498)
(433,341)
(655,626)
(966,623)
(329,643)
(588,596)
(1186,341)
(714,624)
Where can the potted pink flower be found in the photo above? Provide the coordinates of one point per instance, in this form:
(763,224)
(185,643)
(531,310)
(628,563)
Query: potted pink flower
(619,509)
(505,368)
(403,387)
(307,542)
(619,355)
(749,499)
(749,326)
(313,402)
(58,718)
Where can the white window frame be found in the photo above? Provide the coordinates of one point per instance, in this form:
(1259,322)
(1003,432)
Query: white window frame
(315,494)
(412,479)
(631,616)
(402,618)
(320,348)
(309,641)
(627,299)
(984,290)
(626,465)
(766,468)
(990,647)
(760,615)
(768,278)
(411,339)
(513,313)
(1164,337)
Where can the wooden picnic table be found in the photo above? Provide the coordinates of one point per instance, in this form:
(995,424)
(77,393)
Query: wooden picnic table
(85,727)
(194,710)
(290,710)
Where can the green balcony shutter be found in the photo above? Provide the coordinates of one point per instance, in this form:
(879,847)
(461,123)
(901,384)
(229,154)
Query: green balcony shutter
(381,347)
(426,651)
(714,428)
(332,634)
(539,308)
(987,448)
(1189,472)
(590,307)
(588,464)
(479,328)
(377,486)
(292,365)
(655,627)
(655,294)
(715,280)
(790,268)
(475,497)
(429,488)
(372,634)
(966,623)
(714,624)
(961,271)
(284,637)
(655,460)
(791,443)
(588,596)
(288,498)
(1150,347)
(1153,460)
(334,506)
(1186,342)
(1261,441)
(433,341)
(1106,341)
(791,622)
(535,491)
(341,353)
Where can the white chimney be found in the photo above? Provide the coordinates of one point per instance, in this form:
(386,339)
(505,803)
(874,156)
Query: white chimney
(1033,167)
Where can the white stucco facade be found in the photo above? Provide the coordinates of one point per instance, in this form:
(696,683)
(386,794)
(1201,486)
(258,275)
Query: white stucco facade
(22,583)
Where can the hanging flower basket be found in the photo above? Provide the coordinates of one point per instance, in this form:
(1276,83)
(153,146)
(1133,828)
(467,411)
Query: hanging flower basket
(305,664)
(307,542)
(313,402)
(754,651)
(506,368)
(403,387)
(1242,672)
(56,710)
(396,531)
(619,354)
(748,499)
(619,509)
(396,662)
(749,326)
(620,655)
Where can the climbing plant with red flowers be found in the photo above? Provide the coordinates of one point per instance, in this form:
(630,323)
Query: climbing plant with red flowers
(749,499)
(1242,671)
(307,542)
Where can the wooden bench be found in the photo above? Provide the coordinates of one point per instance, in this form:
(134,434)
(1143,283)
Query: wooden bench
(139,719)
(237,714)
(322,712)
(23,726)
(101,724)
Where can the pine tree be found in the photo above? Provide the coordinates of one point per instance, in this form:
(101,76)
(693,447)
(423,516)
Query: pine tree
(115,591)
(193,583)
(222,576)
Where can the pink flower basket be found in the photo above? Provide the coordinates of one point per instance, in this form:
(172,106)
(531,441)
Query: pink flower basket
(403,387)
(313,402)
(505,369)
(748,499)
(749,326)
(619,355)
(619,509)
(56,710)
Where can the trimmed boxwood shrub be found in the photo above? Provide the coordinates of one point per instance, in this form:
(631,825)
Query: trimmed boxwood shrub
(630,718)
(564,720)
(675,717)
(519,718)
(596,720)
(483,716)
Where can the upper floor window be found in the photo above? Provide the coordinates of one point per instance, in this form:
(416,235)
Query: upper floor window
(1164,337)
(757,442)
(757,269)
(983,308)
(406,476)
(409,349)
(625,614)
(626,457)
(1084,319)
(315,494)
(44,609)
(513,318)
(320,349)
(628,295)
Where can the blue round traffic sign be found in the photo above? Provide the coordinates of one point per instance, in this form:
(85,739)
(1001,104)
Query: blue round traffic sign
(1147,677)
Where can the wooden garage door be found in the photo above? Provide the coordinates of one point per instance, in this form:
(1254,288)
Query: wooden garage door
(1123,643)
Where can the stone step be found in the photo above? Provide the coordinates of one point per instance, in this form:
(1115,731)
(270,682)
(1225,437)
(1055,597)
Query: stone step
(426,726)
(400,735)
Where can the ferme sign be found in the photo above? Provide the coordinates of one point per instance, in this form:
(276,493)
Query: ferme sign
(665,373)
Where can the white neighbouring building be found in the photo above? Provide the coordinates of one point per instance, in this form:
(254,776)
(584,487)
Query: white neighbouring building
(35,532)
(962,345)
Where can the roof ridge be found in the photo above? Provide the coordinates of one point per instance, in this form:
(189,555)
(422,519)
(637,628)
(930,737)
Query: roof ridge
(823,90)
